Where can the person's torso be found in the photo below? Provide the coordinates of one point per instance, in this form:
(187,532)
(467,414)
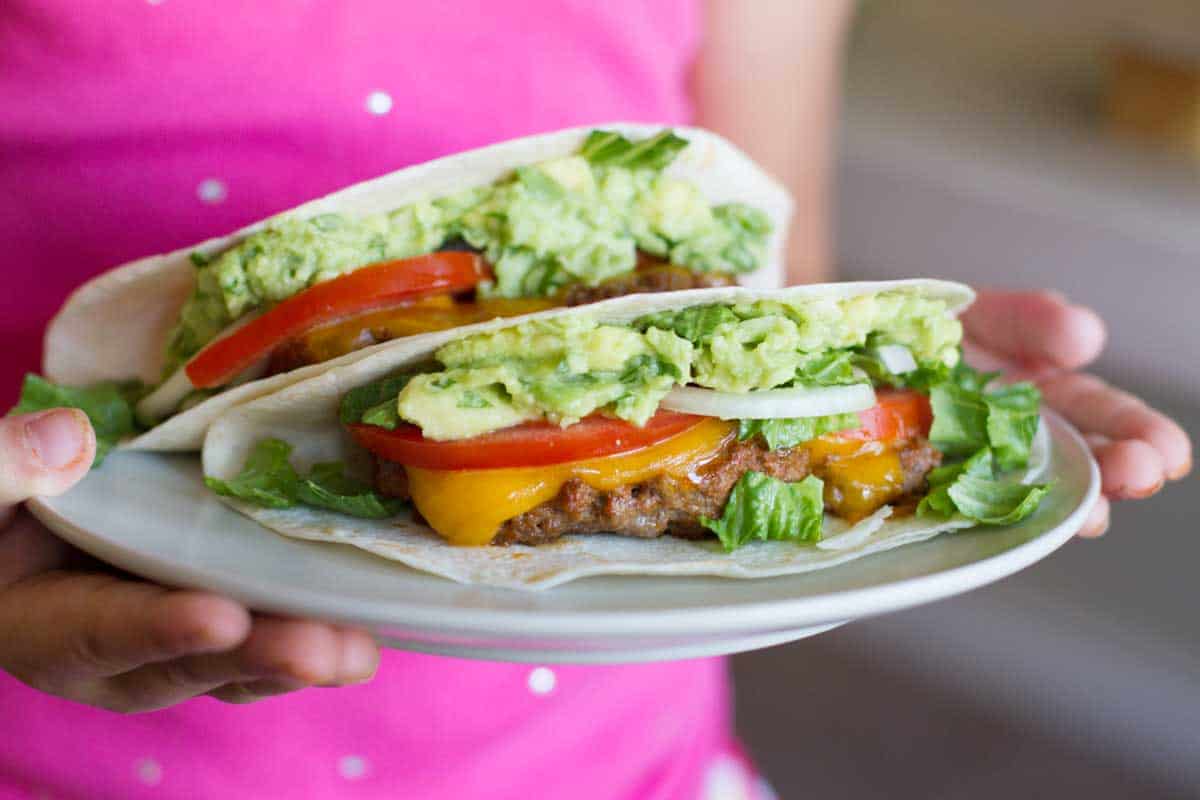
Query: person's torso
(139,126)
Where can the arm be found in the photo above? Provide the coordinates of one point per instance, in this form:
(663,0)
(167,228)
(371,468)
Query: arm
(767,78)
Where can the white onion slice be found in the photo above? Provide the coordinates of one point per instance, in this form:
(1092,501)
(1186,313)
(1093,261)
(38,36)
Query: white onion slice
(897,358)
(162,402)
(771,403)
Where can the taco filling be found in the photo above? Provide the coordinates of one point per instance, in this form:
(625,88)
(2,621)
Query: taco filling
(741,421)
(603,222)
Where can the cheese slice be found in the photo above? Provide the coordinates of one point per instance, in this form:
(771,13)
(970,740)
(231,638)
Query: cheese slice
(467,507)
(859,476)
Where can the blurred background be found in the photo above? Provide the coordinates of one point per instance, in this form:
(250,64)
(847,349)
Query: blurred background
(1027,143)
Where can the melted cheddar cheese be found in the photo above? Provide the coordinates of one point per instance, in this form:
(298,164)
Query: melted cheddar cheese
(860,476)
(467,507)
(436,313)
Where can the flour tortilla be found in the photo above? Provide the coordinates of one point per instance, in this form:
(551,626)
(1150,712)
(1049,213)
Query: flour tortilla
(115,327)
(306,415)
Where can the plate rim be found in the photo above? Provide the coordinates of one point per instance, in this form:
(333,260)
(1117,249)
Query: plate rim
(527,624)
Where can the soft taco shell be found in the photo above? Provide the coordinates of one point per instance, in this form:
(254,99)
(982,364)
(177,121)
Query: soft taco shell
(306,415)
(115,326)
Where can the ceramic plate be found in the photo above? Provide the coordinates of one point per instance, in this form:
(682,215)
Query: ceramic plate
(150,514)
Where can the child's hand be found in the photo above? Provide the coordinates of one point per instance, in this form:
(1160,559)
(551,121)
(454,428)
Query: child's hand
(1041,337)
(91,636)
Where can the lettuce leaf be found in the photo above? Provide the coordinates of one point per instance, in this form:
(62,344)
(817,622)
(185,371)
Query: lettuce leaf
(779,434)
(328,486)
(611,149)
(370,401)
(109,407)
(268,479)
(967,417)
(696,324)
(765,508)
(828,368)
(971,489)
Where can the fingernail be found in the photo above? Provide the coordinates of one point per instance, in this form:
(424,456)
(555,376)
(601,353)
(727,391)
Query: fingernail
(359,663)
(57,437)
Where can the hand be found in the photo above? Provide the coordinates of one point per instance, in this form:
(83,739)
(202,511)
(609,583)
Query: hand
(1039,336)
(86,634)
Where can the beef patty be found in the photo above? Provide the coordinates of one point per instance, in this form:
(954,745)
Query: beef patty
(667,505)
(652,275)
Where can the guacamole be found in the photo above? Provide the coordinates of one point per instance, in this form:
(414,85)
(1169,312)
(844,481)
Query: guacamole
(566,368)
(560,370)
(579,219)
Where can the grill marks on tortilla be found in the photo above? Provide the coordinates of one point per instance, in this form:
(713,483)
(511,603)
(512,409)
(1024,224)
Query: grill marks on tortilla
(667,505)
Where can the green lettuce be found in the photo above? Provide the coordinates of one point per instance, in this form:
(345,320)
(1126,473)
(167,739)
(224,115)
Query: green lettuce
(780,434)
(109,407)
(371,403)
(269,479)
(765,508)
(611,149)
(967,416)
(970,488)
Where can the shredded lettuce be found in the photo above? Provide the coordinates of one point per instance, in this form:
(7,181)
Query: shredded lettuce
(780,434)
(611,149)
(967,416)
(768,509)
(109,407)
(370,403)
(970,488)
(269,479)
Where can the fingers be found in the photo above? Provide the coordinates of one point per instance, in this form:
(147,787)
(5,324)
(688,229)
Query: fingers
(1097,408)
(43,453)
(1129,469)
(132,646)
(1035,329)
(59,628)
(27,548)
(278,656)
(1097,521)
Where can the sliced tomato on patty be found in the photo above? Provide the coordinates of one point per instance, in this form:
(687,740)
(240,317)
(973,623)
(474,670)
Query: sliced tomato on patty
(533,444)
(897,414)
(367,288)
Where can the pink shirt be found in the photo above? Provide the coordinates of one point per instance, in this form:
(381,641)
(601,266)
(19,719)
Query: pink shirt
(137,126)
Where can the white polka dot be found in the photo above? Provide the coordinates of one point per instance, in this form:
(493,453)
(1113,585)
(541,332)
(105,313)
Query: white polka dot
(211,191)
(154,2)
(542,680)
(725,780)
(352,767)
(379,102)
(149,771)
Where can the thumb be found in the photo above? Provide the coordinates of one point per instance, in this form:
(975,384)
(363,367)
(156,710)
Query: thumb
(43,453)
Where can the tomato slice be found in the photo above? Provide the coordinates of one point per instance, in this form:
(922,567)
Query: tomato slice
(366,288)
(897,414)
(533,444)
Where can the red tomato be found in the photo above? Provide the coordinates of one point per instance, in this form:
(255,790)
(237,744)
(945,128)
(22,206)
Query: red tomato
(533,444)
(897,414)
(367,288)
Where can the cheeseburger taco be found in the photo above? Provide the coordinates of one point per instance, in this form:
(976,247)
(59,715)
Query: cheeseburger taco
(155,350)
(759,431)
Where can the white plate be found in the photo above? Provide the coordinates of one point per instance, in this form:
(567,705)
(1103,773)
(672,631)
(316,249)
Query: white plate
(150,514)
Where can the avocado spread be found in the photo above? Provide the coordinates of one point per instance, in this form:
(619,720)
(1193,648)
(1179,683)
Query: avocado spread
(579,219)
(565,368)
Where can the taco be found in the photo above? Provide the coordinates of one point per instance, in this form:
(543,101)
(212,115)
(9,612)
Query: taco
(560,219)
(728,431)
